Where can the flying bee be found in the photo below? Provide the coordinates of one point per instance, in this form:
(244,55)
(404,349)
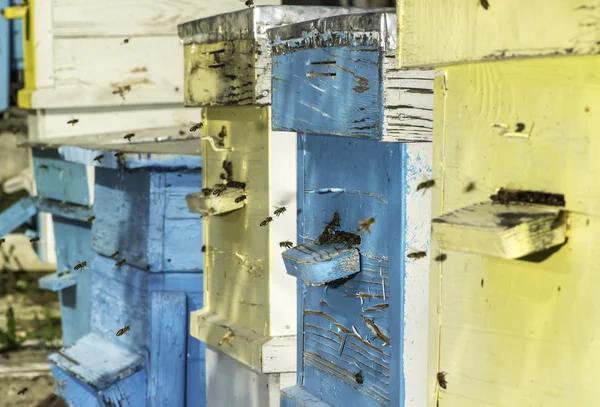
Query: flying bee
(240,198)
(279,211)
(119,154)
(2,241)
(366,224)
(197,126)
(129,136)
(80,265)
(123,330)
(90,220)
(441,257)
(266,221)
(358,377)
(520,127)
(122,90)
(99,158)
(203,248)
(425,185)
(441,378)
(73,122)
(416,255)
(227,338)
(125,41)
(249,3)
(22,391)
(115,254)
(35,239)
(485,4)
(470,187)
(120,263)
(286,245)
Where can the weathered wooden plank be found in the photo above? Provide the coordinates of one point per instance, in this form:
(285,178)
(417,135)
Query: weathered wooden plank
(184,282)
(297,397)
(486,313)
(65,210)
(132,218)
(195,388)
(437,32)
(17,214)
(77,18)
(227,57)
(166,384)
(58,281)
(120,297)
(319,265)
(72,390)
(60,180)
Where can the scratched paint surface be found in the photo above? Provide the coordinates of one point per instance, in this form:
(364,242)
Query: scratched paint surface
(144,216)
(329,91)
(513,332)
(332,352)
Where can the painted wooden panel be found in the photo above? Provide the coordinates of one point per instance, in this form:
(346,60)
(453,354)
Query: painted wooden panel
(195,387)
(243,386)
(17,214)
(318,265)
(119,298)
(166,384)
(143,216)
(98,373)
(517,332)
(227,56)
(60,180)
(332,80)
(242,257)
(79,18)
(352,350)
(438,32)
(72,245)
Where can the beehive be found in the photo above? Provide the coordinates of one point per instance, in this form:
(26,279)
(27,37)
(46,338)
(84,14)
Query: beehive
(514,121)
(362,216)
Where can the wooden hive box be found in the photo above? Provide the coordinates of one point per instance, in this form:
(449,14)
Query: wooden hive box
(248,321)
(362,293)
(149,285)
(515,123)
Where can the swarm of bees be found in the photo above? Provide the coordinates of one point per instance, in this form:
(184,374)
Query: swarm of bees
(123,330)
(129,136)
(80,265)
(332,236)
(286,244)
(99,158)
(196,126)
(73,122)
(366,224)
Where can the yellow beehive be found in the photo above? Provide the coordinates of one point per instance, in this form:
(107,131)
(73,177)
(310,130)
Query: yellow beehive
(513,304)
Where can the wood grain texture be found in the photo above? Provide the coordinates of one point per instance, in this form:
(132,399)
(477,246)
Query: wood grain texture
(241,257)
(319,265)
(501,329)
(220,74)
(60,180)
(167,381)
(144,216)
(437,32)
(78,18)
(347,326)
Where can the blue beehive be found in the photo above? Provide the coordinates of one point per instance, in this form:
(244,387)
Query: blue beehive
(149,286)
(62,190)
(363,220)
(11,53)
